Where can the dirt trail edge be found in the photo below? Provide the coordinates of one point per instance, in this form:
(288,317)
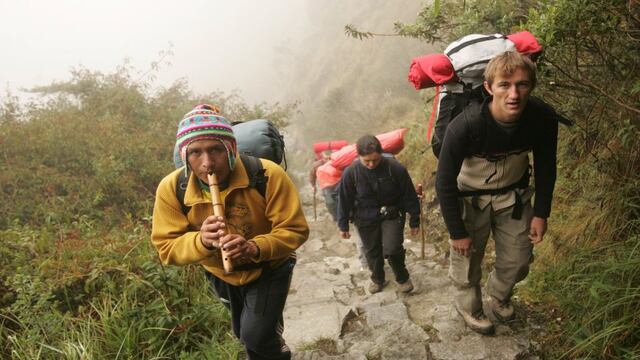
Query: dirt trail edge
(330,315)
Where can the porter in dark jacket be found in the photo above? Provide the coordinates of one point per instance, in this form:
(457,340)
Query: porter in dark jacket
(376,192)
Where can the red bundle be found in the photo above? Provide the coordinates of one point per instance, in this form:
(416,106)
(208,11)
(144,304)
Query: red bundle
(331,146)
(431,70)
(392,142)
(328,175)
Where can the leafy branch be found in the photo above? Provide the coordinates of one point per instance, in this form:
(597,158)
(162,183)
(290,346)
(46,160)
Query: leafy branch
(350,30)
(429,26)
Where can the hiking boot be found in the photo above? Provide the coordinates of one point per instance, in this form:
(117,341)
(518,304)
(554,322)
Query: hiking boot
(406,286)
(375,287)
(503,310)
(477,321)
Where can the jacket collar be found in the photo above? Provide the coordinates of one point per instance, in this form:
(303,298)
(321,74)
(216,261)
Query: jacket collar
(238,179)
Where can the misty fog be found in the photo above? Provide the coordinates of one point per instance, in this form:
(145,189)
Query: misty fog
(216,45)
(287,51)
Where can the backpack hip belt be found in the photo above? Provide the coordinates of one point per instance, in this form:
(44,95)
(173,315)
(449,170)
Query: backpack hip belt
(518,208)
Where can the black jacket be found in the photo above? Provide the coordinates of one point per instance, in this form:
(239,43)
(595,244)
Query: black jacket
(362,192)
(475,137)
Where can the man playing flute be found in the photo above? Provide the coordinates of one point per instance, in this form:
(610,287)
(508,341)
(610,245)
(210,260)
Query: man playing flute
(259,232)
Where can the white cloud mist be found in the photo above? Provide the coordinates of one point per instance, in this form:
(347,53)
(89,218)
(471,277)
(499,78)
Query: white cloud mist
(216,45)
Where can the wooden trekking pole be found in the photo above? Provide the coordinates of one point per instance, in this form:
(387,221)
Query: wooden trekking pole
(315,203)
(420,193)
(218,210)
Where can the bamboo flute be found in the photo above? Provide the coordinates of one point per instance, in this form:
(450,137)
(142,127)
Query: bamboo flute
(218,210)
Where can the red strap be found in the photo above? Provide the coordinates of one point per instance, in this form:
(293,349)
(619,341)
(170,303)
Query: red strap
(434,109)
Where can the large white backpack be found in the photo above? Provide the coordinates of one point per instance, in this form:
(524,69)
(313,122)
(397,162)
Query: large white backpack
(470,55)
(458,74)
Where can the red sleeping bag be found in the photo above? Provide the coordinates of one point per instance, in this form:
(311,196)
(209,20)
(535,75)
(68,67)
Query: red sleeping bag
(438,69)
(392,142)
(327,175)
(331,146)
(431,70)
(526,43)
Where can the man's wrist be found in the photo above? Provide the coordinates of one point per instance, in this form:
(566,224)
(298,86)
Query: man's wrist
(461,238)
(210,248)
(257,255)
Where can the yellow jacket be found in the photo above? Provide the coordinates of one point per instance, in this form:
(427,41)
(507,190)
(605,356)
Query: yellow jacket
(275,222)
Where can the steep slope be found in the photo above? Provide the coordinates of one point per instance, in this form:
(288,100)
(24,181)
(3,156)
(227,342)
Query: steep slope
(348,87)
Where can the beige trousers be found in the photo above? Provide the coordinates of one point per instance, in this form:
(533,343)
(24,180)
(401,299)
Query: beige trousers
(514,253)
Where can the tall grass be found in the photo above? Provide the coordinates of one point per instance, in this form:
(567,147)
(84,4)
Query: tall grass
(598,291)
(589,267)
(79,278)
(106,296)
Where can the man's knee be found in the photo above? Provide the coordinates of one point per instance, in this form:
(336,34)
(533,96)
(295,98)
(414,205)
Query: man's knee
(260,339)
(397,258)
(394,253)
(393,247)
(465,272)
(512,271)
(463,281)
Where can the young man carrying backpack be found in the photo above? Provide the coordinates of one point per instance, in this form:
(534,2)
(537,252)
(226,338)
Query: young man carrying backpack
(378,191)
(260,230)
(483,186)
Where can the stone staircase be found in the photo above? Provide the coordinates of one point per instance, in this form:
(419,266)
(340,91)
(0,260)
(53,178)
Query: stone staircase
(330,315)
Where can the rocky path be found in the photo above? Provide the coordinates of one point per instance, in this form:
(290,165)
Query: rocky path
(330,314)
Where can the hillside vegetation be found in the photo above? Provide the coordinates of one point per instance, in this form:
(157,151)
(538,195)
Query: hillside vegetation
(586,280)
(78,275)
(79,278)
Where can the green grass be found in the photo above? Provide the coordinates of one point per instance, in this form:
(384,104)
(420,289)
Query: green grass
(79,278)
(589,301)
(326,345)
(105,295)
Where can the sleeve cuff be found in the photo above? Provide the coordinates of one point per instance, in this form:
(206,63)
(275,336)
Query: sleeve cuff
(343,225)
(459,235)
(541,214)
(262,251)
(257,258)
(201,248)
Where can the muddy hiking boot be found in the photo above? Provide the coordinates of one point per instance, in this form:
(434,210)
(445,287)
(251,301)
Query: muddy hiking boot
(502,310)
(477,321)
(406,286)
(375,287)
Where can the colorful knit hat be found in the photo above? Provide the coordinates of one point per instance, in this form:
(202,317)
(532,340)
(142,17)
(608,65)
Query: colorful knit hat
(205,122)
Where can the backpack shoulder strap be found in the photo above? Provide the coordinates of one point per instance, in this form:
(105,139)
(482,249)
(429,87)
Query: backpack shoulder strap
(255,171)
(396,168)
(477,128)
(353,174)
(181,188)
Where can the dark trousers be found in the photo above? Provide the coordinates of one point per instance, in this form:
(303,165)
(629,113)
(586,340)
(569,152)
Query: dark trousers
(383,239)
(330,195)
(256,311)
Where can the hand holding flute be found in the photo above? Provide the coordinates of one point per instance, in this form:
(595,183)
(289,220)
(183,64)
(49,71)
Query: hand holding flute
(218,211)
(214,235)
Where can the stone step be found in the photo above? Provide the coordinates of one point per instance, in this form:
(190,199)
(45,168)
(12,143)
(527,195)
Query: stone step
(328,304)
